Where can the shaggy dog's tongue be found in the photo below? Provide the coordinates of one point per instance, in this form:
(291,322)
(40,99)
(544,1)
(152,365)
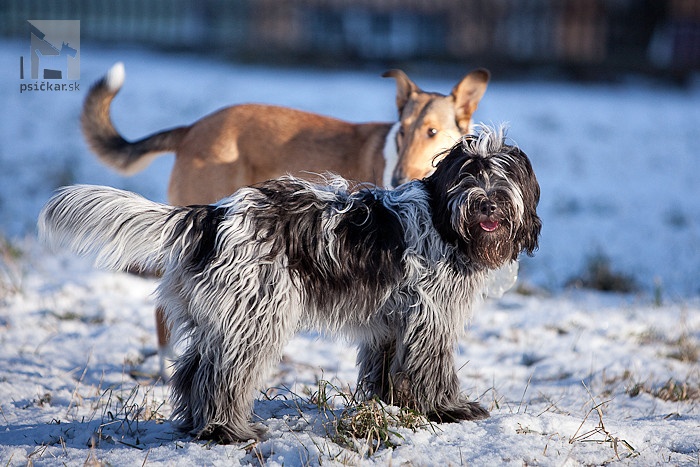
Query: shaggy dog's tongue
(489,226)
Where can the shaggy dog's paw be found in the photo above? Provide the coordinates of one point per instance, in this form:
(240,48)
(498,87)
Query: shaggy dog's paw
(461,410)
(224,434)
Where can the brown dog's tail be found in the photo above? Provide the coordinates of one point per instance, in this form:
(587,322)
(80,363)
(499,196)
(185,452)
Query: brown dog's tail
(112,149)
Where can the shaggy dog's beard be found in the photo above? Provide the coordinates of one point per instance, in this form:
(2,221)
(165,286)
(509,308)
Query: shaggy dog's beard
(492,249)
(487,232)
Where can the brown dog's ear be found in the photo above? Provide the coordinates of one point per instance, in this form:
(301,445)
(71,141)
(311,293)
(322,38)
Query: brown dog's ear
(404,87)
(467,94)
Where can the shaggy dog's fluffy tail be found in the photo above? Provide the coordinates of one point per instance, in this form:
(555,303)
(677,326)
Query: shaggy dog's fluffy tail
(120,229)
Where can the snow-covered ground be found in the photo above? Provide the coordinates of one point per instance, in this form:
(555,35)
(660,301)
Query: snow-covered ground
(570,376)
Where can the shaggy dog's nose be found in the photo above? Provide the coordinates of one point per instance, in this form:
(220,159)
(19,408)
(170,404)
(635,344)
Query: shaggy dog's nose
(487,207)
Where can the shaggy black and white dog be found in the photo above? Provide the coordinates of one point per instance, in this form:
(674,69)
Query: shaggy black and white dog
(396,269)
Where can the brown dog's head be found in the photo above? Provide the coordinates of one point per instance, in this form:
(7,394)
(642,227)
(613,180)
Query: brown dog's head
(430,123)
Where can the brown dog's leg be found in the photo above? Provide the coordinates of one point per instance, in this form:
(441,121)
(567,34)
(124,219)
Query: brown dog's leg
(166,353)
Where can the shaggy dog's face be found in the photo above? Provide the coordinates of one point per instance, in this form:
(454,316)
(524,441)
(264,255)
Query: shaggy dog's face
(485,200)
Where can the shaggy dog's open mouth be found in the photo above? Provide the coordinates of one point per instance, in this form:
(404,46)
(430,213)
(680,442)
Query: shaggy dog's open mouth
(489,225)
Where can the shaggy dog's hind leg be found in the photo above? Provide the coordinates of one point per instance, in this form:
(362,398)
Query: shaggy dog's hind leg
(233,340)
(206,406)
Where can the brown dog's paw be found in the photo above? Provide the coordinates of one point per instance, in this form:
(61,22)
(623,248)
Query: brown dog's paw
(462,410)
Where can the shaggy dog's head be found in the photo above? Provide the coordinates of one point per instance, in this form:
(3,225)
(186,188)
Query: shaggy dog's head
(484,197)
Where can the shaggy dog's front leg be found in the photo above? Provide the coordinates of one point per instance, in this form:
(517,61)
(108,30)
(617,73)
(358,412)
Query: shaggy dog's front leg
(374,361)
(423,371)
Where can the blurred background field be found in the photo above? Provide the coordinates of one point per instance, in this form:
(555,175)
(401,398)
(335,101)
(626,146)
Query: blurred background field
(589,39)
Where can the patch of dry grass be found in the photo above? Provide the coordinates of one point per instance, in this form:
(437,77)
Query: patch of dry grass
(601,435)
(372,425)
(671,391)
(364,426)
(10,267)
(599,274)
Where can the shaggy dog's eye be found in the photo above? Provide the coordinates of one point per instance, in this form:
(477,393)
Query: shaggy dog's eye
(432,132)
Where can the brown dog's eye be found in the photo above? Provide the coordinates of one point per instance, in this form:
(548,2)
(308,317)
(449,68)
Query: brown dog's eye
(432,132)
